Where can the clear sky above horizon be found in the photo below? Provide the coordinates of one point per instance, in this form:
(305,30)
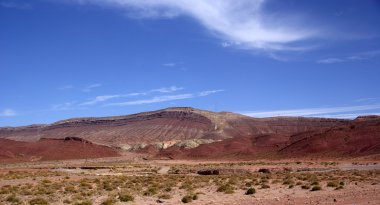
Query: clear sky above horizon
(79,58)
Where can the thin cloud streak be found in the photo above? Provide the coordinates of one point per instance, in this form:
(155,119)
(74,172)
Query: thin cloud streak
(64,106)
(348,115)
(154,100)
(167,90)
(103,98)
(15,5)
(356,57)
(165,98)
(171,64)
(8,113)
(331,60)
(91,87)
(315,112)
(99,99)
(209,92)
(66,87)
(366,99)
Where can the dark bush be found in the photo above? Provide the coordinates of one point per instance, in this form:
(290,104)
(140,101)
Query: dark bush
(316,188)
(250,191)
(125,197)
(38,201)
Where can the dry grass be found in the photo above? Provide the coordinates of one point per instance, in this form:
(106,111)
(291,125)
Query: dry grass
(45,187)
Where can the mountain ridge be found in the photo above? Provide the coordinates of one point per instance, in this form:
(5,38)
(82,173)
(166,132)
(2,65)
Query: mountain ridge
(188,132)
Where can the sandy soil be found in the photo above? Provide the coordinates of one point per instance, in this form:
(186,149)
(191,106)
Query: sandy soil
(366,191)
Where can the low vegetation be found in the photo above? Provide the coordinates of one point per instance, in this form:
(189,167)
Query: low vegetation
(138,181)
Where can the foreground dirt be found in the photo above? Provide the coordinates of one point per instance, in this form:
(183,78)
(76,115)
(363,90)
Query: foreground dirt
(106,181)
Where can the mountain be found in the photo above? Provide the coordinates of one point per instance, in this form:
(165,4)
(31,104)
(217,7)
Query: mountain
(355,138)
(190,133)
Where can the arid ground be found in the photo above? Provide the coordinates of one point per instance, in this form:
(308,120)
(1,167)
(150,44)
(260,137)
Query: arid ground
(133,180)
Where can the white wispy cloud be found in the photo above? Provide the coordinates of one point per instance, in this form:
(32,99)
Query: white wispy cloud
(66,87)
(8,113)
(103,98)
(64,106)
(154,100)
(209,92)
(355,57)
(89,88)
(242,23)
(170,64)
(366,99)
(317,112)
(348,115)
(331,60)
(165,98)
(167,89)
(14,5)
(99,99)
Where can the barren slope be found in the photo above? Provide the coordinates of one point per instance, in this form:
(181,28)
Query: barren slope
(166,127)
(360,137)
(49,149)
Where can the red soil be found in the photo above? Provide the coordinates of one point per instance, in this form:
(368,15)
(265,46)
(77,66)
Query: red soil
(48,149)
(360,137)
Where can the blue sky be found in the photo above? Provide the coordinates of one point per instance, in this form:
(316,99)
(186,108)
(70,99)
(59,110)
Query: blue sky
(77,58)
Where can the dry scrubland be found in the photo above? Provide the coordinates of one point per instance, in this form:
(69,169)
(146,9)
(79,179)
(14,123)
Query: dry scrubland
(177,182)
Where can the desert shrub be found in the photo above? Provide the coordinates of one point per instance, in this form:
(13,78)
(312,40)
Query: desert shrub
(187,199)
(13,199)
(226,188)
(316,188)
(66,201)
(339,187)
(291,186)
(38,201)
(263,170)
(86,202)
(108,186)
(332,184)
(250,191)
(288,181)
(305,187)
(70,189)
(168,189)
(151,191)
(125,197)
(276,181)
(109,201)
(265,186)
(46,181)
(315,183)
(85,185)
(164,196)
